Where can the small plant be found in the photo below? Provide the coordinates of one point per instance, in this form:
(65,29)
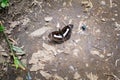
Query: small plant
(13,49)
(4,3)
(17,62)
(2,28)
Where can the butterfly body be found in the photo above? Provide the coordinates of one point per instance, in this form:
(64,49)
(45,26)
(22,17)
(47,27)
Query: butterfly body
(61,35)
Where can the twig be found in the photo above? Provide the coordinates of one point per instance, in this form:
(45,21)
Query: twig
(111,3)
(10,46)
(116,62)
(2,51)
(112,75)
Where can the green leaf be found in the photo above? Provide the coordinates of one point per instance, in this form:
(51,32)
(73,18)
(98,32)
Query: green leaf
(2,28)
(16,62)
(4,4)
(18,49)
(4,0)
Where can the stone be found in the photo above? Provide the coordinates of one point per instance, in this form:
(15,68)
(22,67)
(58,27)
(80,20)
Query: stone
(58,25)
(103,20)
(2,52)
(50,48)
(19,78)
(39,59)
(92,76)
(56,77)
(36,67)
(14,24)
(76,52)
(76,76)
(95,52)
(45,74)
(48,18)
(39,32)
(103,3)
(71,68)
(25,21)
(2,59)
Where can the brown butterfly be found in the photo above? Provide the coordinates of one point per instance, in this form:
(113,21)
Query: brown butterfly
(61,35)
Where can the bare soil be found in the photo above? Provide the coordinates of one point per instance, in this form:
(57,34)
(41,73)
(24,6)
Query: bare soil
(92,54)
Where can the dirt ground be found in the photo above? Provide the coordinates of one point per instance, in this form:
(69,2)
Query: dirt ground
(90,54)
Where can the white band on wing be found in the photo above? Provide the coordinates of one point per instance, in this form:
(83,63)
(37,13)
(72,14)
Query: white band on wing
(65,32)
(57,36)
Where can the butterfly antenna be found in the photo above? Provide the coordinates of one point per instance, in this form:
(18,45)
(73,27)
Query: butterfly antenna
(64,23)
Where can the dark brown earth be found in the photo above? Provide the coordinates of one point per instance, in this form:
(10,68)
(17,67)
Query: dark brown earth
(92,54)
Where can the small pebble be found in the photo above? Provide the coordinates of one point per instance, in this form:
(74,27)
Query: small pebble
(76,76)
(76,52)
(19,78)
(45,74)
(65,78)
(78,16)
(48,18)
(86,64)
(4,54)
(109,54)
(103,3)
(71,68)
(118,34)
(116,14)
(103,20)
(113,19)
(64,4)
(98,31)
(58,25)
(54,70)
(84,2)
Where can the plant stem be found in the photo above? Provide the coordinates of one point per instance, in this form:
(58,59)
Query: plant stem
(15,58)
(9,44)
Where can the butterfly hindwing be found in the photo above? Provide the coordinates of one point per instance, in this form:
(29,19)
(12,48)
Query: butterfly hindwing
(56,37)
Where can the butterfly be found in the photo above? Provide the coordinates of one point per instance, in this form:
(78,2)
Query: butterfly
(61,35)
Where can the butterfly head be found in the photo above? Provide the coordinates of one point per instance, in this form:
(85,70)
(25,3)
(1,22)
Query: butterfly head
(70,25)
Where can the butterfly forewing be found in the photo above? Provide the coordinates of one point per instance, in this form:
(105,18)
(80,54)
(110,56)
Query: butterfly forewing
(66,32)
